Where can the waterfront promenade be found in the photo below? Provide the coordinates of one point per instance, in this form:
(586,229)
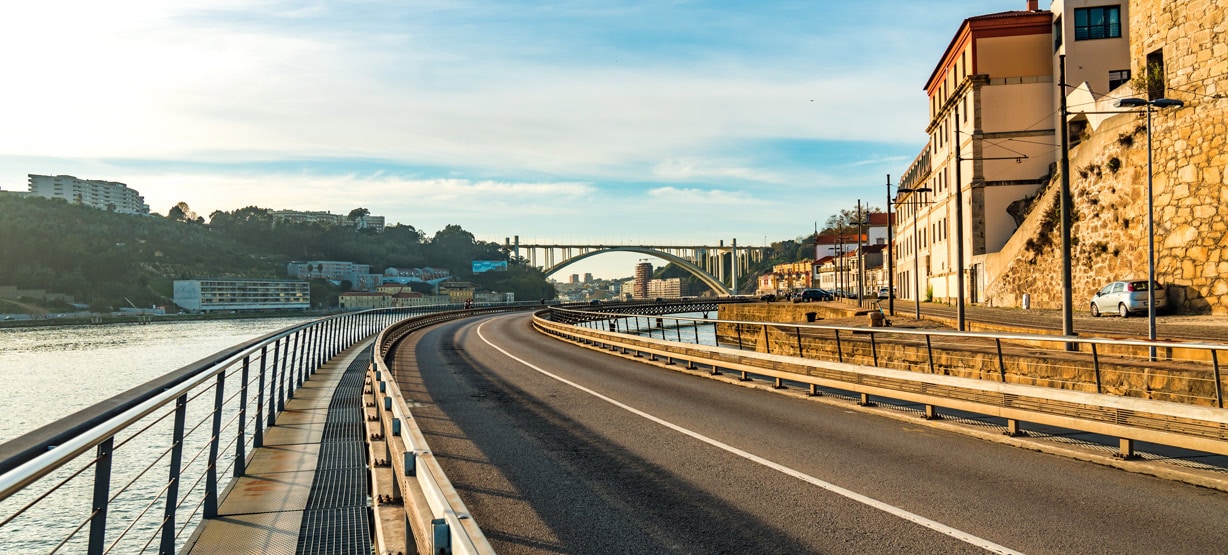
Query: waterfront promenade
(305,490)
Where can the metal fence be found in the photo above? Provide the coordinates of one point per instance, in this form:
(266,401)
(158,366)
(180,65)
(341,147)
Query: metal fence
(137,472)
(1109,386)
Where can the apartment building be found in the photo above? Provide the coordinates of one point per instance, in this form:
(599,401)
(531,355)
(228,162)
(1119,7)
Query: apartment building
(212,295)
(359,275)
(103,195)
(992,144)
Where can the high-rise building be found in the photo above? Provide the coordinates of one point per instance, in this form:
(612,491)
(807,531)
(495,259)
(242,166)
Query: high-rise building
(574,278)
(104,195)
(643,275)
(588,277)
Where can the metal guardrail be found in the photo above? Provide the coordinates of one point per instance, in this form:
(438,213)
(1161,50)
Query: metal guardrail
(901,364)
(153,461)
(446,526)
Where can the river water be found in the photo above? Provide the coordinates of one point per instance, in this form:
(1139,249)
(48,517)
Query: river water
(47,373)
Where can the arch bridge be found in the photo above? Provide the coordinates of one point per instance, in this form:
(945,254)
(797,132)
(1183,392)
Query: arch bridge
(717,266)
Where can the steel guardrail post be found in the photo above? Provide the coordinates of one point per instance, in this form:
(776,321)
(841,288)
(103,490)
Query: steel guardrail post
(241,432)
(874,348)
(839,347)
(219,398)
(172,488)
(102,494)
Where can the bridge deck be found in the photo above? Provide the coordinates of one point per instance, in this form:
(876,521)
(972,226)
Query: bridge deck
(288,500)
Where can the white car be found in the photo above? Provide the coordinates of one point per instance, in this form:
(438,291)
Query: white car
(1126,297)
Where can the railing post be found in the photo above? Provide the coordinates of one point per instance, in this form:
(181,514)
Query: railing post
(286,389)
(739,328)
(767,344)
(102,494)
(929,348)
(296,376)
(240,443)
(1096,366)
(219,397)
(1001,361)
(839,347)
(1219,394)
(798,330)
(258,440)
(172,488)
(874,348)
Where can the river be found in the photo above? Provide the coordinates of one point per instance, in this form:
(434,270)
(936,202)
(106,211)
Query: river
(47,373)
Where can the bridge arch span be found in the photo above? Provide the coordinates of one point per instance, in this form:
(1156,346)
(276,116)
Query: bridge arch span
(683,263)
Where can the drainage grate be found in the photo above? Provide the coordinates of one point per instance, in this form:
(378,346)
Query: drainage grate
(337,518)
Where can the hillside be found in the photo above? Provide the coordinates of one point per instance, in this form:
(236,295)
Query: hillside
(107,259)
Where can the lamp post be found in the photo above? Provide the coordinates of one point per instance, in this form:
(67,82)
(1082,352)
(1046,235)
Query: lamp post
(916,248)
(1151,242)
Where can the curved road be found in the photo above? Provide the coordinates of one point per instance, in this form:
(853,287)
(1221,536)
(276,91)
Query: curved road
(560,449)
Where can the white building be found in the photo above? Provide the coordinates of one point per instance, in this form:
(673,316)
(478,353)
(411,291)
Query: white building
(104,195)
(210,295)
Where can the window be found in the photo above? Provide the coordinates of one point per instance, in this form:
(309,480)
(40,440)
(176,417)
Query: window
(1153,75)
(1118,77)
(1057,33)
(1097,23)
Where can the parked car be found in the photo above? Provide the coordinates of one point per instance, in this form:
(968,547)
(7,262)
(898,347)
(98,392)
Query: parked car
(1126,297)
(808,295)
(885,293)
(768,297)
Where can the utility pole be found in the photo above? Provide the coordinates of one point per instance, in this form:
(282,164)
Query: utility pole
(890,265)
(959,230)
(861,274)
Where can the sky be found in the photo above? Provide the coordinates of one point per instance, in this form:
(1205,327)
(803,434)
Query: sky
(558,121)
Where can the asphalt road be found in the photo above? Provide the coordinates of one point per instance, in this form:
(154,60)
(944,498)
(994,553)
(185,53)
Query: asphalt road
(559,449)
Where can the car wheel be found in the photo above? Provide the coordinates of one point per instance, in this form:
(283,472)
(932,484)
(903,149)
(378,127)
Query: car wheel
(1123,311)
(1095,311)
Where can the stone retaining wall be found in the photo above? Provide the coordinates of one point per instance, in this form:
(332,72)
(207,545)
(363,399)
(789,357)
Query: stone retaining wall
(1038,364)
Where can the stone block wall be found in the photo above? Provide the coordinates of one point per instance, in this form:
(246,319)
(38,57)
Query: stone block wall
(1109,180)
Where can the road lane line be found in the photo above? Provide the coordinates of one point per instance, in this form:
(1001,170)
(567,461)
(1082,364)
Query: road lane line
(890,509)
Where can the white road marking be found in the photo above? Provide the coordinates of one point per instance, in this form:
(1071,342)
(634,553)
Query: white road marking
(889,509)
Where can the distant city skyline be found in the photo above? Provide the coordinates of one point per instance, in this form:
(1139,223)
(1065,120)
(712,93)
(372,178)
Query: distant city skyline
(621,122)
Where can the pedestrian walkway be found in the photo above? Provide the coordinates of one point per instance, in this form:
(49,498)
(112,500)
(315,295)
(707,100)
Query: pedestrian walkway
(305,490)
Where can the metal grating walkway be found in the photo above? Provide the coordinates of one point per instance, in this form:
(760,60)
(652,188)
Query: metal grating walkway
(337,519)
(306,490)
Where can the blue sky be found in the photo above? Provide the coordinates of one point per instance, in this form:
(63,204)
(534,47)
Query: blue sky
(560,121)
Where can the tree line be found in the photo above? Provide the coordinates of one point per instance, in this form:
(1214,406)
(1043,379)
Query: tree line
(112,260)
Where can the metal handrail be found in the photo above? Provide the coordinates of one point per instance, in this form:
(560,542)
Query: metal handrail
(26,459)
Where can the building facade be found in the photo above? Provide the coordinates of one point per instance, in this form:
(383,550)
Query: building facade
(212,295)
(103,195)
(359,275)
(992,137)
(643,275)
(669,288)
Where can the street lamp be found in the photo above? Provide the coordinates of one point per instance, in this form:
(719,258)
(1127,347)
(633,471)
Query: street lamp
(916,247)
(1151,242)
